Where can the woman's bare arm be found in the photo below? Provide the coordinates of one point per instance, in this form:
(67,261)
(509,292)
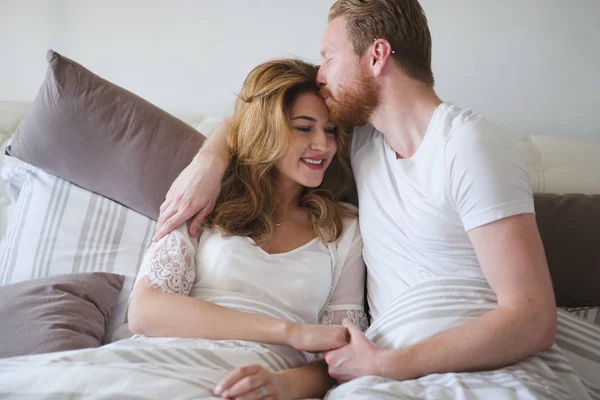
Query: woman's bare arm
(153,312)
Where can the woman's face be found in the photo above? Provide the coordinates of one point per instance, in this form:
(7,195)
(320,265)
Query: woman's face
(312,145)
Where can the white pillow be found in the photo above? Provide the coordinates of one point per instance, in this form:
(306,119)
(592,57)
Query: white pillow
(60,228)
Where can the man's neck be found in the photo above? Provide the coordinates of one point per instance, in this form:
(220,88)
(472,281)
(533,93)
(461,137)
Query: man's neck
(404,114)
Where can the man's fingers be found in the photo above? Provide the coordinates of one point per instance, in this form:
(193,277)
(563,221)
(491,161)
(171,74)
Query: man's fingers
(352,328)
(176,214)
(331,357)
(235,376)
(173,222)
(197,221)
(163,218)
(160,233)
(165,204)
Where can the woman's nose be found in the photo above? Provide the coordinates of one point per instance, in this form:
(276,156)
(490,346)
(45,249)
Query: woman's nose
(319,141)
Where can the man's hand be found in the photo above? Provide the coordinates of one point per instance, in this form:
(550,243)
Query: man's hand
(196,189)
(359,358)
(193,194)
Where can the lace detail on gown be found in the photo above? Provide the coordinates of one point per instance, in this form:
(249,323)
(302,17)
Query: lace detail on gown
(168,265)
(335,317)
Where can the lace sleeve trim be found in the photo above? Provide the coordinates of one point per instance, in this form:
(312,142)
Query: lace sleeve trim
(335,317)
(169,266)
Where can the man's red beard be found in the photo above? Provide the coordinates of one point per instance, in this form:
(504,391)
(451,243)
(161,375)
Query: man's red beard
(354,103)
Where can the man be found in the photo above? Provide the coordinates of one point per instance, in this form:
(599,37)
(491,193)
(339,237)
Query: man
(442,193)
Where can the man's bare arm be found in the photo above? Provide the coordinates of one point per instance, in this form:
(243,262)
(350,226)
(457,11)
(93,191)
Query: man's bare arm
(195,191)
(512,257)
(524,322)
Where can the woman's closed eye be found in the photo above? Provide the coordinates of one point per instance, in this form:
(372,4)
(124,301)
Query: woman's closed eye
(307,129)
(303,128)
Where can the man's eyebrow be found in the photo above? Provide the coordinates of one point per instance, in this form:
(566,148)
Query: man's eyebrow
(311,119)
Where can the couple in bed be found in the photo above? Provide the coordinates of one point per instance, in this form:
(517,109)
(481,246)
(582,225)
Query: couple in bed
(269,273)
(443,194)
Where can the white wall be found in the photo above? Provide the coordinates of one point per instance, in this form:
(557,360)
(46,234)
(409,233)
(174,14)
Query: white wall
(532,66)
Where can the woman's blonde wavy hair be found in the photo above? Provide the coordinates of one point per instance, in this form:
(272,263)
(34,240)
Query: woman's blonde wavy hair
(249,201)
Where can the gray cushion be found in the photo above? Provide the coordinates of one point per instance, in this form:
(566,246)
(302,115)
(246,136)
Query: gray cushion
(103,138)
(569,225)
(64,312)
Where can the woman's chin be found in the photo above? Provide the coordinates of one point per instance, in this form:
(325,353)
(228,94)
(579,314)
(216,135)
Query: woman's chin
(311,183)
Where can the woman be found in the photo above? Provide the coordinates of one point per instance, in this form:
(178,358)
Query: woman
(241,312)
(279,261)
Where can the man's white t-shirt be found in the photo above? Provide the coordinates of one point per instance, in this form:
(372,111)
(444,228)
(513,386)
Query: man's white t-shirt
(415,213)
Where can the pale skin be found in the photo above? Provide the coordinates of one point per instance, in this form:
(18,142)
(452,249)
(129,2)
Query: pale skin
(156,313)
(523,323)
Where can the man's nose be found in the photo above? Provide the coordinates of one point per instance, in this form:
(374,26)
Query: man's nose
(321,77)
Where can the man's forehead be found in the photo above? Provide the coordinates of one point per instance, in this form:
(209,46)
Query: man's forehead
(335,36)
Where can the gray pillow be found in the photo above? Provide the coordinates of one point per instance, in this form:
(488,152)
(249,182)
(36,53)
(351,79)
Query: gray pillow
(569,226)
(64,312)
(104,138)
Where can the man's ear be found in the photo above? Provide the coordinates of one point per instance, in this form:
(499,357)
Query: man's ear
(381,54)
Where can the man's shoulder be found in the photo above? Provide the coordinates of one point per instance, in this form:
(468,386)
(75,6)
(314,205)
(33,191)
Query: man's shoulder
(366,129)
(472,132)
(362,136)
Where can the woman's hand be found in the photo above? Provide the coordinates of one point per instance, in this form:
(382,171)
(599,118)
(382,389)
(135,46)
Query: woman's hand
(317,338)
(253,382)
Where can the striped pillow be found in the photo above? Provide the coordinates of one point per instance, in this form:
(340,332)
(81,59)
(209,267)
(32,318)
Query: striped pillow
(59,228)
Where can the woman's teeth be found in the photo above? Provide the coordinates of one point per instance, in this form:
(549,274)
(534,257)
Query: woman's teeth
(316,162)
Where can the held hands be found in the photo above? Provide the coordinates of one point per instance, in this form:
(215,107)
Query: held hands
(253,382)
(317,338)
(353,355)
(360,357)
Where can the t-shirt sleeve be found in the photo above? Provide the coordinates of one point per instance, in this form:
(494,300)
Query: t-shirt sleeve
(487,179)
(360,137)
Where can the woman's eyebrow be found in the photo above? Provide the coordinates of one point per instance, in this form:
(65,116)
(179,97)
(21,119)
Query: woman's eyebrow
(305,117)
